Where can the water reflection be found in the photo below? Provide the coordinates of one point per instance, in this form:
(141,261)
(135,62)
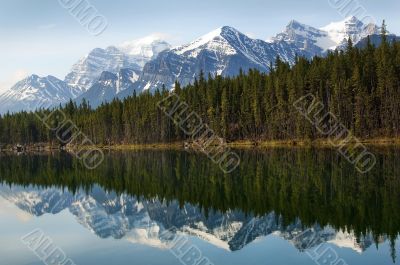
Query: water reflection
(144,221)
(138,195)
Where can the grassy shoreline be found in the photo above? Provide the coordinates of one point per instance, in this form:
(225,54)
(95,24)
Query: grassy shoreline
(314,143)
(319,143)
(246,144)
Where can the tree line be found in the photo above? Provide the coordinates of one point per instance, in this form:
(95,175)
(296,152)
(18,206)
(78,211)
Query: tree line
(360,86)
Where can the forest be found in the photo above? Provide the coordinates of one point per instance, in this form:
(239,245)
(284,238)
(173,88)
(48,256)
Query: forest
(360,86)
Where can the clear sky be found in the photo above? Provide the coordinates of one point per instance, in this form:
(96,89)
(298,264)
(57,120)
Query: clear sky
(41,37)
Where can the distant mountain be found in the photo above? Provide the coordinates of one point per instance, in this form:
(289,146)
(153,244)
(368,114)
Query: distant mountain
(143,50)
(109,86)
(133,55)
(36,92)
(335,35)
(351,27)
(126,61)
(144,221)
(88,70)
(305,37)
(150,63)
(226,50)
(223,51)
(376,40)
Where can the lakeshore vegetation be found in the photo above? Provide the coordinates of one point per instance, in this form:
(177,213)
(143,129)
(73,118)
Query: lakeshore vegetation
(361,86)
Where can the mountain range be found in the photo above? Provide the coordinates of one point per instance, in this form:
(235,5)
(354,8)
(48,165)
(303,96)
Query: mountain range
(149,63)
(144,221)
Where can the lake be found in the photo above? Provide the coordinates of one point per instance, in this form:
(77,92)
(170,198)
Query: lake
(280,206)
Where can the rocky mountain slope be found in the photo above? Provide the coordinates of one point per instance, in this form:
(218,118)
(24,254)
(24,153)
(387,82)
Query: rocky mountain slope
(150,63)
(36,92)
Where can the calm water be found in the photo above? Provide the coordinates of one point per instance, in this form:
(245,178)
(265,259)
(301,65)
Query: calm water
(281,206)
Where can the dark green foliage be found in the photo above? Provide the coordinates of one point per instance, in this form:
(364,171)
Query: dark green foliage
(361,87)
(316,186)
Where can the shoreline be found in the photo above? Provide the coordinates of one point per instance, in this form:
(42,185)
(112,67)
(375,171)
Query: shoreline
(244,144)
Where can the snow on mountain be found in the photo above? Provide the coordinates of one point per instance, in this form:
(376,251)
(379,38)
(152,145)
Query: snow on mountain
(133,55)
(126,79)
(107,214)
(88,70)
(305,37)
(326,38)
(212,41)
(351,27)
(109,86)
(36,92)
(37,202)
(143,50)
(153,63)
(344,239)
(223,51)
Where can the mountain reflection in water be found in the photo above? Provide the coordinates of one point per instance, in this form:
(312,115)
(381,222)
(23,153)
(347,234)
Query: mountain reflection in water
(282,192)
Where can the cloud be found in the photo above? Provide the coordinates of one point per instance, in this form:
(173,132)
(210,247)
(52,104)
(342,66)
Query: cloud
(171,39)
(18,75)
(148,39)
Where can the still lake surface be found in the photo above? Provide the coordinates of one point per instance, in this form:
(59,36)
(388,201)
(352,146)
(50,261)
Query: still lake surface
(280,207)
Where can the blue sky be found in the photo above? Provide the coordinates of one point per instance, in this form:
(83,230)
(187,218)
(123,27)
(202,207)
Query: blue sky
(40,36)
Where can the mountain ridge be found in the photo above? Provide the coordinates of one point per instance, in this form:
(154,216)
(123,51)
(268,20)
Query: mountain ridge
(224,51)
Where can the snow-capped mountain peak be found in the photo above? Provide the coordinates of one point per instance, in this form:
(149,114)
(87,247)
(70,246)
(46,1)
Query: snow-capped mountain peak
(30,87)
(133,55)
(223,51)
(305,37)
(35,92)
(151,63)
(352,28)
(344,25)
(87,70)
(330,37)
(147,47)
(211,41)
(340,31)
(109,85)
